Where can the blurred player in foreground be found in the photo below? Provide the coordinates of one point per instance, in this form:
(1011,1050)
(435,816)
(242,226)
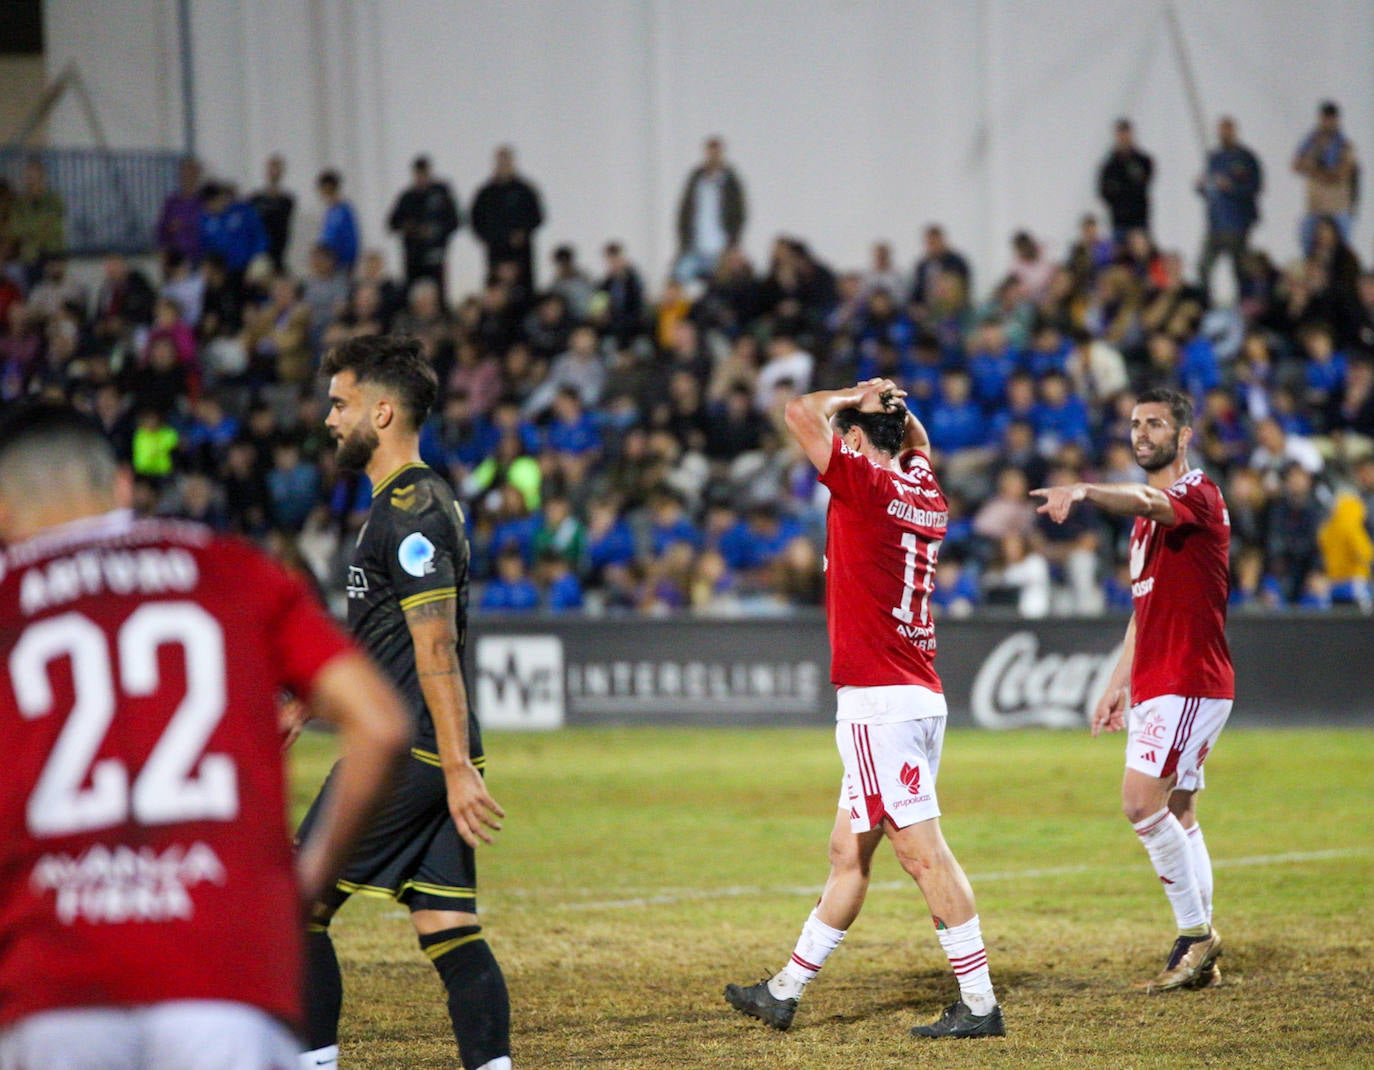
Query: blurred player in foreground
(150,906)
(407,605)
(1174,675)
(886,521)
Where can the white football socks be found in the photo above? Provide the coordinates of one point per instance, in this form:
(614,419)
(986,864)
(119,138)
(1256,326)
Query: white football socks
(969,960)
(814,946)
(1202,868)
(1167,845)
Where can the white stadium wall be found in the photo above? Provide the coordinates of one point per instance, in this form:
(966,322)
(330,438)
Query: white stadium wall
(850,120)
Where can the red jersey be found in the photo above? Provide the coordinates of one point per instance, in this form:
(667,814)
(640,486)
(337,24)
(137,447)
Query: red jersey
(145,852)
(883,533)
(1180,582)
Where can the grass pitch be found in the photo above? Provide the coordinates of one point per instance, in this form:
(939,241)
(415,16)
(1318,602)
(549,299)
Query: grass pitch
(642,869)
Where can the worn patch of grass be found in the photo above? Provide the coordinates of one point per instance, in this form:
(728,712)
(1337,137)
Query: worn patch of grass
(642,869)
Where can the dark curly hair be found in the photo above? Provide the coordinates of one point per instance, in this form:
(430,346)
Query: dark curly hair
(394,361)
(886,430)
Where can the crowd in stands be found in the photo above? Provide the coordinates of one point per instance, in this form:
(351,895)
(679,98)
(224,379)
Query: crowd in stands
(619,446)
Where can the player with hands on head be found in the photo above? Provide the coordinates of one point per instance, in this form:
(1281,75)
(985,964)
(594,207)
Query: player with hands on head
(407,605)
(150,904)
(1173,685)
(886,519)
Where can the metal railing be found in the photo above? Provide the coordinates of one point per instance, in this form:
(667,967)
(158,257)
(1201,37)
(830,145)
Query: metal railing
(112,196)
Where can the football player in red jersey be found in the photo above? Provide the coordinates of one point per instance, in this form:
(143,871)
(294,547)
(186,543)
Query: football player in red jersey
(1173,684)
(886,520)
(150,905)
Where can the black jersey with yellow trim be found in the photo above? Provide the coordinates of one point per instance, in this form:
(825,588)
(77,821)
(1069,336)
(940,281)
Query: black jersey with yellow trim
(411,552)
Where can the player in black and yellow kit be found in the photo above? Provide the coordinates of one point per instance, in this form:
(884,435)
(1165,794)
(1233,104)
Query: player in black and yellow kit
(407,606)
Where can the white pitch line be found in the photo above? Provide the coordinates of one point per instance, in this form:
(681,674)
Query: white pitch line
(680,895)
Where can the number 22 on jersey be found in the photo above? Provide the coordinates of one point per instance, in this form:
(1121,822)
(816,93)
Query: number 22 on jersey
(178,782)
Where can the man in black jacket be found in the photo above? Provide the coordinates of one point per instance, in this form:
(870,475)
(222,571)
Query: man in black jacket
(1124,183)
(710,215)
(505,215)
(274,205)
(425,216)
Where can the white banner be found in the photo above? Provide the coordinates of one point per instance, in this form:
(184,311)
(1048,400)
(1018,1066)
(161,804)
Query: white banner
(520,681)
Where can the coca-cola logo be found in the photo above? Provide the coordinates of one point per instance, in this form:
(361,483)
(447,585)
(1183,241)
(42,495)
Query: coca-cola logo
(1017,686)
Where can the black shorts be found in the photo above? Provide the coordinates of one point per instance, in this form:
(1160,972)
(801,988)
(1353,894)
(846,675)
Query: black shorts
(411,851)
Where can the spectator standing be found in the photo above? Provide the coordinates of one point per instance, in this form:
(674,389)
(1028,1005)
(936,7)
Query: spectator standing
(178,224)
(505,214)
(711,214)
(230,228)
(275,205)
(1123,182)
(1230,187)
(1326,158)
(425,215)
(37,218)
(339,228)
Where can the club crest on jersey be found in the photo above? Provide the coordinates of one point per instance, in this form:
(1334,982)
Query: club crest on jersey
(405,499)
(416,555)
(1138,553)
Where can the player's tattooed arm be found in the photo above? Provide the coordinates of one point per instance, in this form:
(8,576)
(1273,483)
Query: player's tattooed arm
(434,633)
(445,652)
(440,610)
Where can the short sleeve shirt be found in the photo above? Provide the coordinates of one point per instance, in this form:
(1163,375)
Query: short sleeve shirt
(883,535)
(144,848)
(1180,582)
(411,552)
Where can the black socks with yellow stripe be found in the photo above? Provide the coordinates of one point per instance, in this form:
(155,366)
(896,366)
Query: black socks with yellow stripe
(478,1003)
